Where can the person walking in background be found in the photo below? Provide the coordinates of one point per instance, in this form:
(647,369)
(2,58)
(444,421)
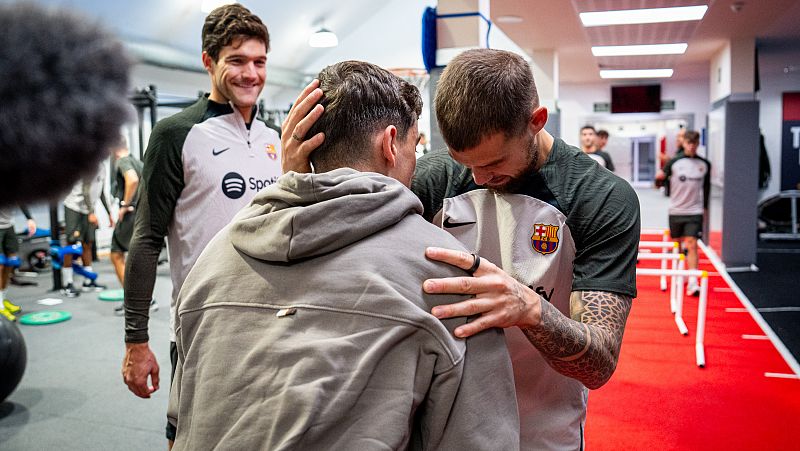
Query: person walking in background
(127,173)
(689,178)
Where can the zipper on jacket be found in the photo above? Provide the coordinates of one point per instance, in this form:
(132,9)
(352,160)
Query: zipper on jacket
(243,126)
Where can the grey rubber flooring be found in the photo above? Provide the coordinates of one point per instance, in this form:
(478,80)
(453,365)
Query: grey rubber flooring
(71,396)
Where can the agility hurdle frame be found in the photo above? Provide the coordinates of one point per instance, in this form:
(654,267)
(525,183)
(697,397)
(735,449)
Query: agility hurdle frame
(664,245)
(702,304)
(677,263)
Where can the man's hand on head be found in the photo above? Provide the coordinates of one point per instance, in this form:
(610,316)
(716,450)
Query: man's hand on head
(295,145)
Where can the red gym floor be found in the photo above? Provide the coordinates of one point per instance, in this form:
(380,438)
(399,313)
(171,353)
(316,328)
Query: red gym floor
(746,398)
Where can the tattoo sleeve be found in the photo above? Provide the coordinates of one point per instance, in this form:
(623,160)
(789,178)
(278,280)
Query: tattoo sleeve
(585,347)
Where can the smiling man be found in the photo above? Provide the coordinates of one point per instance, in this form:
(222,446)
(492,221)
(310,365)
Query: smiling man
(201,166)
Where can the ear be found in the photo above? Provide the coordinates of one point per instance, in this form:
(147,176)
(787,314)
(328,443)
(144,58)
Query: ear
(208,62)
(538,119)
(389,145)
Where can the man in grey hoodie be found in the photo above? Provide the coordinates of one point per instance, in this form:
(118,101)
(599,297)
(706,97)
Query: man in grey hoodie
(303,324)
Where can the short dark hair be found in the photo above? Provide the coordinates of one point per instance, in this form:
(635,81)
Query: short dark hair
(602,133)
(231,22)
(589,127)
(359,99)
(482,92)
(691,136)
(118,142)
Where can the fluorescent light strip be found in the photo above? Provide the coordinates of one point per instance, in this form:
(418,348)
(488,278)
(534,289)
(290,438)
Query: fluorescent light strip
(636,73)
(651,49)
(508,19)
(634,16)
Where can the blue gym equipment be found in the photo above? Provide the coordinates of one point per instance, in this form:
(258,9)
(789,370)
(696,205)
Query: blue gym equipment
(76,250)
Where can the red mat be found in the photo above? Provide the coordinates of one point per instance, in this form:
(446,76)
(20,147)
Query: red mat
(659,399)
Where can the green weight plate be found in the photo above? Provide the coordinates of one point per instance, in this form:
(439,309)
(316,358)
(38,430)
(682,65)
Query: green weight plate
(46,317)
(112,295)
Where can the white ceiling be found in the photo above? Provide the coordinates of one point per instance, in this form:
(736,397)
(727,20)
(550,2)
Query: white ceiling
(388,32)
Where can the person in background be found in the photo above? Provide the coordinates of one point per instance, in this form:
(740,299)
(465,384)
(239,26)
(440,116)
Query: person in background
(602,139)
(423,146)
(127,173)
(663,158)
(689,177)
(9,261)
(588,139)
(81,224)
(592,145)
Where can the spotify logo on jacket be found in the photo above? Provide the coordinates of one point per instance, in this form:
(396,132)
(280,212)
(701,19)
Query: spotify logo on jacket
(233,185)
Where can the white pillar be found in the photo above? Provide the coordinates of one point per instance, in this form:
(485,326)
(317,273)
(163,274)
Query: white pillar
(544,64)
(545,71)
(733,70)
(456,34)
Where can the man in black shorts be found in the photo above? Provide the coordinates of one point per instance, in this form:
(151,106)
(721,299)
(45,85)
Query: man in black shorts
(689,179)
(127,172)
(80,225)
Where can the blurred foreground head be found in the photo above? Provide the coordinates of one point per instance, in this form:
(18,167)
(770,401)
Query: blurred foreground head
(64,88)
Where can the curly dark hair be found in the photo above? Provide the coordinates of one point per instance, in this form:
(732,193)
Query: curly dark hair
(64,85)
(228,23)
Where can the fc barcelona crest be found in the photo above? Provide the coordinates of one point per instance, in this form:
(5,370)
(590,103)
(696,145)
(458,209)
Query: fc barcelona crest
(271,152)
(545,238)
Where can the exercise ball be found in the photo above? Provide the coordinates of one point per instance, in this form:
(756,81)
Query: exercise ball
(13,357)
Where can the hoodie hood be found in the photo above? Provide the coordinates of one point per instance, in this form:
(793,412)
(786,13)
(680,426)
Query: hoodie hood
(305,215)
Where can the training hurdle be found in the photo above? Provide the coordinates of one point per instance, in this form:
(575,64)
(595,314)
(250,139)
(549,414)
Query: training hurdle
(677,263)
(701,305)
(655,231)
(663,245)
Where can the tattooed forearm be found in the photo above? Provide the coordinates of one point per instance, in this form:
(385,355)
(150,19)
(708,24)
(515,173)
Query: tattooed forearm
(585,347)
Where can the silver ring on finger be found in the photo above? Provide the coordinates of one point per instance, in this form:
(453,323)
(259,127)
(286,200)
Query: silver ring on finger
(297,138)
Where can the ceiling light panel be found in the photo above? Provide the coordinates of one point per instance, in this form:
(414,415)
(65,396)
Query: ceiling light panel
(642,16)
(632,50)
(323,38)
(639,34)
(508,19)
(636,73)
